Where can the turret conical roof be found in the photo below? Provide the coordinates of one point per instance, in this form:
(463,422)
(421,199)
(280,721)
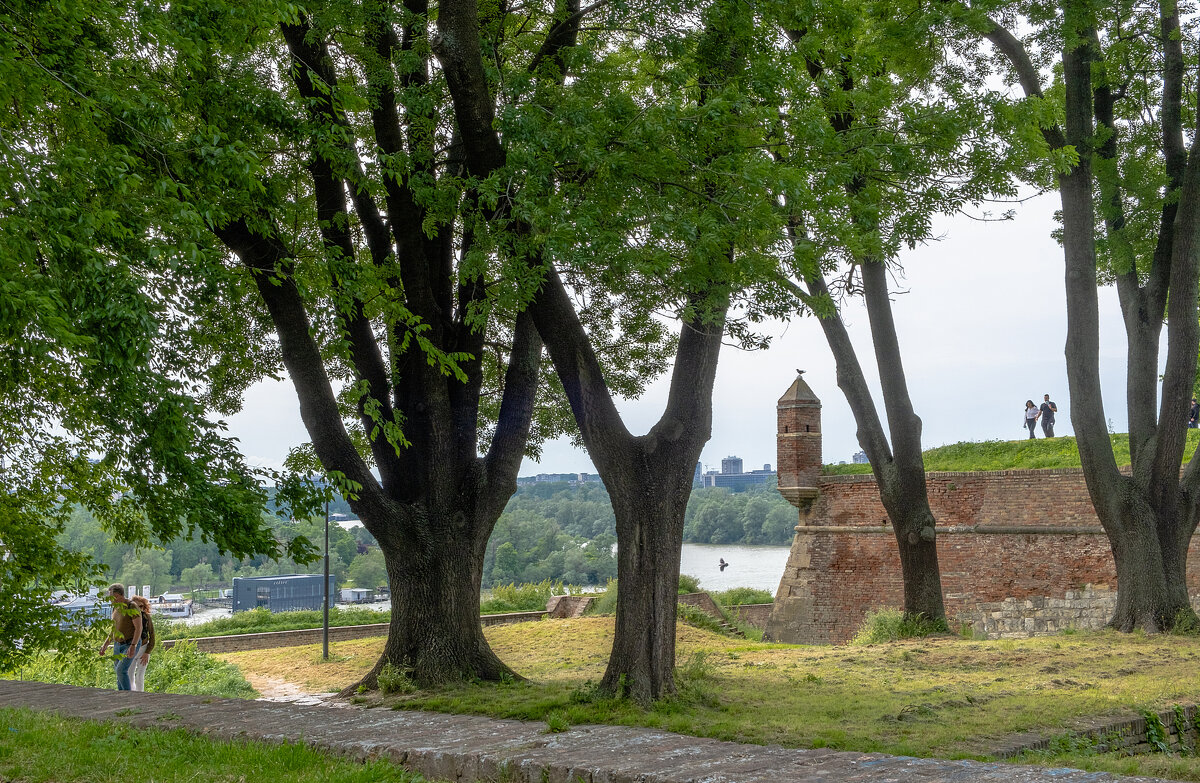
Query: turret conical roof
(799,392)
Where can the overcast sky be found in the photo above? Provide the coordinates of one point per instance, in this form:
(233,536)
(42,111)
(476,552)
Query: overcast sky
(982,329)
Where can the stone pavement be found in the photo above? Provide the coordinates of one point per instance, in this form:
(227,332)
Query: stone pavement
(468,748)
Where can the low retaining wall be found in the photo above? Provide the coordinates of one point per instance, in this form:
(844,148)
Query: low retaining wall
(1176,729)
(1089,608)
(752,614)
(342,633)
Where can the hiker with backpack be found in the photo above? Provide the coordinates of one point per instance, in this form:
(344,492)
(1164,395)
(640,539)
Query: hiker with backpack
(125,635)
(138,672)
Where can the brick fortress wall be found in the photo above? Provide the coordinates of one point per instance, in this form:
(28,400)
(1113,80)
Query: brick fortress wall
(1020,551)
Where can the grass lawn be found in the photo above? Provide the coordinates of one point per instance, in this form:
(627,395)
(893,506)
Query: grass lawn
(1011,454)
(39,747)
(944,697)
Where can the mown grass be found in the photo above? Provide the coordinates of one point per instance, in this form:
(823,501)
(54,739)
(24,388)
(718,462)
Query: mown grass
(940,696)
(40,747)
(1010,455)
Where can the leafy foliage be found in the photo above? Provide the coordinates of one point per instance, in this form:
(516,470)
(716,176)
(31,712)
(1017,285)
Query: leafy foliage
(108,366)
(759,515)
(180,669)
(740,596)
(523,598)
(889,625)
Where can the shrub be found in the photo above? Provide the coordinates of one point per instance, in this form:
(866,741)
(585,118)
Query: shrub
(888,625)
(740,596)
(700,619)
(393,679)
(181,669)
(184,669)
(606,602)
(688,584)
(525,597)
(1185,623)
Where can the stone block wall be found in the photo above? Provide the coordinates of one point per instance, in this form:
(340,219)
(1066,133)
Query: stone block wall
(1013,546)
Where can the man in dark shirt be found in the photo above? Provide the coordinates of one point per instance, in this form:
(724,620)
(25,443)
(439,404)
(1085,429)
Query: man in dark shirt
(1048,410)
(1194,415)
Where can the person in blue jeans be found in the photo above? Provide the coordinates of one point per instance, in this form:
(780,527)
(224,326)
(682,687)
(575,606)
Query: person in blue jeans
(1031,416)
(127,630)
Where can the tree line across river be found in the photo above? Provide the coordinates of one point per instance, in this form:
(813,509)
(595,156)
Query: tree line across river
(549,531)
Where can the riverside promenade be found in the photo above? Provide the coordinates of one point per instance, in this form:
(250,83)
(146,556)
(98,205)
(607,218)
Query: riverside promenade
(467,748)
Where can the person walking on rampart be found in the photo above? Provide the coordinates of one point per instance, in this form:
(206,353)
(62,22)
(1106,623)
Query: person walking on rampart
(1194,415)
(1031,416)
(1047,412)
(127,630)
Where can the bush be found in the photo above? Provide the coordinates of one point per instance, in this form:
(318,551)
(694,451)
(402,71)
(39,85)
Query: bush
(606,602)
(181,669)
(524,598)
(889,625)
(184,669)
(688,584)
(700,619)
(740,596)
(393,679)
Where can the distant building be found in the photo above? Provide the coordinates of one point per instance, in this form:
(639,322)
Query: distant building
(860,458)
(574,479)
(280,593)
(698,476)
(733,478)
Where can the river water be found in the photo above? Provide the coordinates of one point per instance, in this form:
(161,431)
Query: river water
(749,566)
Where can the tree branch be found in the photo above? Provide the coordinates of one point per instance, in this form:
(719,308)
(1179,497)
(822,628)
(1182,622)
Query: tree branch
(503,459)
(270,264)
(1027,74)
(333,220)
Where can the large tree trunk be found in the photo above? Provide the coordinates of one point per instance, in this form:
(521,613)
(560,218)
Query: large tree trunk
(1143,596)
(650,529)
(434,632)
(907,504)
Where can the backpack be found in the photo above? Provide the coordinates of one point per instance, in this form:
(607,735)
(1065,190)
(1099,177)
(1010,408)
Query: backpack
(147,627)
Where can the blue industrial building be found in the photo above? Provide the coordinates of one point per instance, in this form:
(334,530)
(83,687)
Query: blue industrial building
(285,593)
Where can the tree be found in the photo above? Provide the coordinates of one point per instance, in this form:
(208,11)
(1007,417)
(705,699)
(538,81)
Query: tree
(1112,129)
(148,566)
(200,575)
(103,366)
(353,215)
(714,244)
(368,570)
(879,133)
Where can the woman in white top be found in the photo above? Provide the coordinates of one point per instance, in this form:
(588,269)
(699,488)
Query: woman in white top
(137,674)
(1031,416)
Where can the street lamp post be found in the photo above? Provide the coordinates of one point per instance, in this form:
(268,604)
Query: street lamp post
(325,589)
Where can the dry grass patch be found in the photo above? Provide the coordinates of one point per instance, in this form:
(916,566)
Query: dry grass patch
(940,696)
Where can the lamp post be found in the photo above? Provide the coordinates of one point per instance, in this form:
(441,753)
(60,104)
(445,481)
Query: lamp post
(325,589)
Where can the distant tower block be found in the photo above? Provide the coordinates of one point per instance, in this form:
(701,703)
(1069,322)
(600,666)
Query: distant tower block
(799,443)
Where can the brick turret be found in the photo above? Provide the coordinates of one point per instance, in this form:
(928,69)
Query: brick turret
(798,442)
